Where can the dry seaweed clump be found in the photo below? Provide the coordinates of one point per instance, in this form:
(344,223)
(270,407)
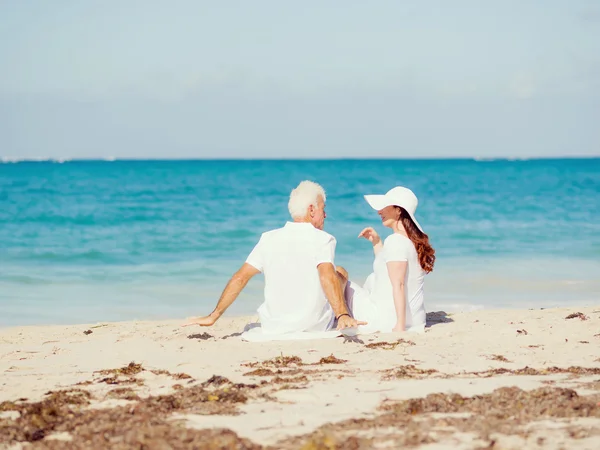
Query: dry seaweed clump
(498,358)
(38,419)
(574,370)
(389,345)
(145,424)
(286,380)
(287,365)
(200,336)
(284,368)
(123,394)
(577,315)
(278,362)
(177,376)
(117,380)
(409,371)
(326,441)
(507,403)
(261,372)
(116,375)
(331,360)
(129,370)
(155,434)
(410,423)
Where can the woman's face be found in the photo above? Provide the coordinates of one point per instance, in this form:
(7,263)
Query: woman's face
(389,216)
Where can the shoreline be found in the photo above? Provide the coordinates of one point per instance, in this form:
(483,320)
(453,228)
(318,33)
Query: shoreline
(289,393)
(234,317)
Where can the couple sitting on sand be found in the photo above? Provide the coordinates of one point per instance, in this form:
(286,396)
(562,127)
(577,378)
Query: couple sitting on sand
(306,292)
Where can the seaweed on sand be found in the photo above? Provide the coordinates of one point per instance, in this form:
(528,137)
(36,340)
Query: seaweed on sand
(498,358)
(409,371)
(412,422)
(574,370)
(131,369)
(389,345)
(39,418)
(287,366)
(576,315)
(277,362)
(116,375)
(123,394)
(200,336)
(117,380)
(144,424)
(331,359)
(177,376)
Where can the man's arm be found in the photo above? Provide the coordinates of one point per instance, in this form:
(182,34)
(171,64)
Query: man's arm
(236,284)
(335,295)
(332,288)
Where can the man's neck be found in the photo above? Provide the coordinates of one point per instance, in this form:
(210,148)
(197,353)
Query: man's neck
(304,220)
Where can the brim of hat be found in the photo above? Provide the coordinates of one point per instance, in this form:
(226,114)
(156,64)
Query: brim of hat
(378,202)
(416,223)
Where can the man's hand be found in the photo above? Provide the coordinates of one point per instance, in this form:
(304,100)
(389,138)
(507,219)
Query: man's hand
(348,322)
(206,321)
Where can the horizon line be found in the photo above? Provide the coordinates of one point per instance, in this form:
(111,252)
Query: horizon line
(14,160)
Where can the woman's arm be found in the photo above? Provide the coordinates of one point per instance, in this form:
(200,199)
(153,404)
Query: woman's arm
(371,235)
(397,273)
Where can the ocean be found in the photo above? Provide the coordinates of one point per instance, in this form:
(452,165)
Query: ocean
(91,241)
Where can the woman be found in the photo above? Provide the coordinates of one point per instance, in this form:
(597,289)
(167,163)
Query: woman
(392,299)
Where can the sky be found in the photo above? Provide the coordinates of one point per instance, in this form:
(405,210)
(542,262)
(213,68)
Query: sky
(312,79)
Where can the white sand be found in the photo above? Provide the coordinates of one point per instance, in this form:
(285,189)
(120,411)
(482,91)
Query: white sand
(34,360)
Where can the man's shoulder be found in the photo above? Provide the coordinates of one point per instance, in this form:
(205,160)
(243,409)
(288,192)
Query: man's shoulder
(274,231)
(324,236)
(320,236)
(266,235)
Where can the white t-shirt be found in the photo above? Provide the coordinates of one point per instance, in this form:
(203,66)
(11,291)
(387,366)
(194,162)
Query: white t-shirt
(294,299)
(396,247)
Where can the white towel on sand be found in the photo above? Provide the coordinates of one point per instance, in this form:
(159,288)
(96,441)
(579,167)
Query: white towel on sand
(253,333)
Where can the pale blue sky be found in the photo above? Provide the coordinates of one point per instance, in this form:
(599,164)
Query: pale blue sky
(279,79)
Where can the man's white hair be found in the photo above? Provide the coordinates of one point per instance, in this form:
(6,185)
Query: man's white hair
(307,193)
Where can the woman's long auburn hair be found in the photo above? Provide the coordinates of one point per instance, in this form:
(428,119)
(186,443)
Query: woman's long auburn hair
(419,239)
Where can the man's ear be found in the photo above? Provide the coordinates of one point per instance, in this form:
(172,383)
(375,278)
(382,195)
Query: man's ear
(311,210)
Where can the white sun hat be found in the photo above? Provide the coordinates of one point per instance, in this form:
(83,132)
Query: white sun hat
(398,196)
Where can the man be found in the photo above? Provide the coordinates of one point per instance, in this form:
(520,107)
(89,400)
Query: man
(303,289)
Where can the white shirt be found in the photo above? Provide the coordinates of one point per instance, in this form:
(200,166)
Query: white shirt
(294,298)
(382,315)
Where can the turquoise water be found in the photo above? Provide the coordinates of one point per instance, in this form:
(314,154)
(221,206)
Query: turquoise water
(88,241)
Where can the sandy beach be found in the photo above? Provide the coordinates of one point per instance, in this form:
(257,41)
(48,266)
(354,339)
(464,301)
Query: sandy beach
(483,379)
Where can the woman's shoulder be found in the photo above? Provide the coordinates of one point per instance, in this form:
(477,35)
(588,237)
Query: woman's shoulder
(397,239)
(398,244)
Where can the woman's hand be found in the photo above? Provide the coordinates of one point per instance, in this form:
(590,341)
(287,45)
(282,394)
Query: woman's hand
(371,235)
